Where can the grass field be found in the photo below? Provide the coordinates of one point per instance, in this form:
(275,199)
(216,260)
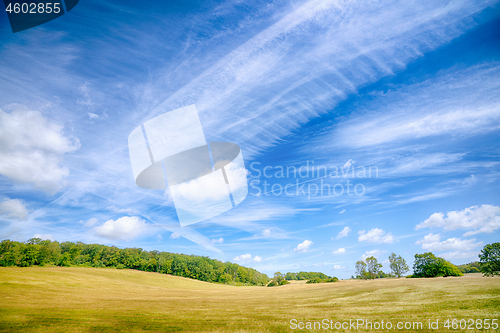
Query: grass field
(108,300)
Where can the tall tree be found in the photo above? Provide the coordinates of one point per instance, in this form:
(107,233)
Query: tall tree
(398,265)
(373,267)
(361,272)
(489,259)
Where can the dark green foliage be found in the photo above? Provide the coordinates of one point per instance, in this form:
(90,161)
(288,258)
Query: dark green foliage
(489,259)
(428,265)
(473,267)
(319,280)
(278,280)
(305,276)
(382,275)
(41,252)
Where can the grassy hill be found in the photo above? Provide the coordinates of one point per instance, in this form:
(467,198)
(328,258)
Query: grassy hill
(45,299)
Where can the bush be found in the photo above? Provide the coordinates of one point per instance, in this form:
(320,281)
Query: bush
(272,283)
(428,265)
(319,280)
(275,283)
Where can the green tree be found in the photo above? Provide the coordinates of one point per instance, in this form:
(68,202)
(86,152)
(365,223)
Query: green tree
(398,265)
(373,267)
(361,272)
(489,259)
(428,265)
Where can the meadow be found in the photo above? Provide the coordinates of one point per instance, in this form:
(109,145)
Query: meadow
(73,299)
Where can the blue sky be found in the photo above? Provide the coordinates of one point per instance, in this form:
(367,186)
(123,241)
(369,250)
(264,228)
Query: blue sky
(408,90)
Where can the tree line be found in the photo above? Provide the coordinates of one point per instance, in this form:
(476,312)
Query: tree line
(305,276)
(428,265)
(45,252)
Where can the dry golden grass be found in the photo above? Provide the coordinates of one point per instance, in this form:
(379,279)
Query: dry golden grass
(90,299)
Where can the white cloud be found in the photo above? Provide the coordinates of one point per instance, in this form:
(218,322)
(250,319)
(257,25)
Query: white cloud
(338,267)
(31,149)
(93,115)
(430,238)
(243,257)
(339,251)
(125,228)
(90,222)
(375,253)
(217,240)
(478,219)
(44,237)
(432,242)
(342,211)
(13,209)
(175,235)
(375,235)
(257,259)
(344,232)
(304,246)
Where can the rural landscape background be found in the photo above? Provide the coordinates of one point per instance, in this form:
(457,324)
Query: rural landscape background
(109,300)
(138,290)
(369,134)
